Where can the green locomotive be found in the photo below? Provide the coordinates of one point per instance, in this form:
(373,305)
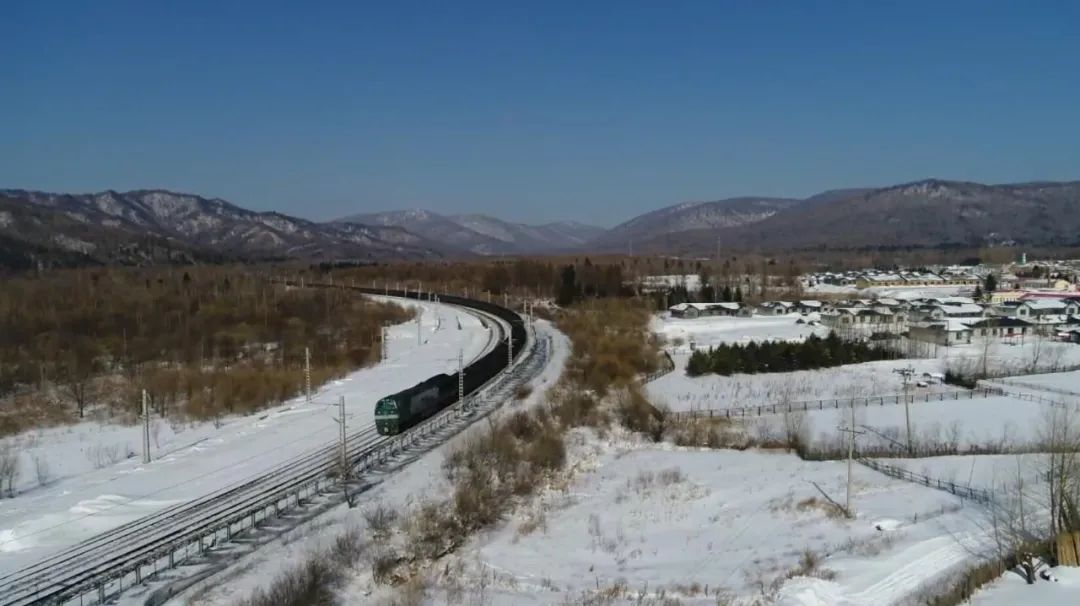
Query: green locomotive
(397,412)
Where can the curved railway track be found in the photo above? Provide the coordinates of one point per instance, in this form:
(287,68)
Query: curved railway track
(103,566)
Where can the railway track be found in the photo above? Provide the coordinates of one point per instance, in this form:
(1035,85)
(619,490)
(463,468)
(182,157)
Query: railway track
(102,567)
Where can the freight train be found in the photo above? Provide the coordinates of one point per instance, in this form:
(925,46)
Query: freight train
(399,411)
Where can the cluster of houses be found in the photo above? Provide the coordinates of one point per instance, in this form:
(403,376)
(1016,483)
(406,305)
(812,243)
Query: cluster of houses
(949,276)
(938,320)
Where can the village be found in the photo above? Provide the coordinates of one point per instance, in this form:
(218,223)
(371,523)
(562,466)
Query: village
(950,306)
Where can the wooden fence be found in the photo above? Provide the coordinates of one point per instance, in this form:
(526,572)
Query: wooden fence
(667,365)
(1068,549)
(837,403)
(961,490)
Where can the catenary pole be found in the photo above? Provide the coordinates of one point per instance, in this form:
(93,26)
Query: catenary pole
(146,427)
(307,372)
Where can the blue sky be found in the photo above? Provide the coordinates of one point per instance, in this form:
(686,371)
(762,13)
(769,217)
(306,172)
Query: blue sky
(592,111)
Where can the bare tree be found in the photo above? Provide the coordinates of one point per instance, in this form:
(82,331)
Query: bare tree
(77,376)
(1060,439)
(41,470)
(1019,525)
(1037,347)
(9,468)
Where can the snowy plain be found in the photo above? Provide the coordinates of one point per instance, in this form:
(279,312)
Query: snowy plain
(88,494)
(692,525)
(681,392)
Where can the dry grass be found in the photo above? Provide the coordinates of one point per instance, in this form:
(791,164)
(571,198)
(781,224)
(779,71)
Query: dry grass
(314,580)
(814,503)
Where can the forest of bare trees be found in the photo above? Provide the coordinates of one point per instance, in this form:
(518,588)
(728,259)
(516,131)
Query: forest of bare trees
(204,341)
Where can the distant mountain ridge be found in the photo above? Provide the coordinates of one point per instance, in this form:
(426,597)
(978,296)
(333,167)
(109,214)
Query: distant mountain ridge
(482,234)
(927,213)
(159,226)
(689,216)
(128,227)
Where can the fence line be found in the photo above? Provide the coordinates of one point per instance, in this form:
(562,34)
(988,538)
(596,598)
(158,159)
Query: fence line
(667,367)
(1037,387)
(1030,397)
(837,403)
(961,490)
(1005,373)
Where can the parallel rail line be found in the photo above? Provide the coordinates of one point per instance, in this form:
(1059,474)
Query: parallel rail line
(99,567)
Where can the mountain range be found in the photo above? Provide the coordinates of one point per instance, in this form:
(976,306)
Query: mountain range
(481,234)
(155,226)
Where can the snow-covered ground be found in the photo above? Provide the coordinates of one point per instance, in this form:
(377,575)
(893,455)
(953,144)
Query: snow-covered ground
(994,421)
(691,524)
(681,392)
(91,490)
(416,483)
(1065,385)
(989,472)
(707,332)
(1012,358)
(1011,590)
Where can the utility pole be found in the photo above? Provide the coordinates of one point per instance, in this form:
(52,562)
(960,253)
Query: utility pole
(382,343)
(419,324)
(343,456)
(907,374)
(851,431)
(146,428)
(307,372)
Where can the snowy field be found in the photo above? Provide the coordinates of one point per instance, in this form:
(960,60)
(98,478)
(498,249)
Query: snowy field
(693,524)
(1011,590)
(1064,385)
(988,472)
(405,488)
(964,423)
(98,480)
(1012,358)
(682,393)
(707,332)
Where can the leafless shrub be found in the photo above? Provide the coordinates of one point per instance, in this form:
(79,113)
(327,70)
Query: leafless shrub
(9,468)
(104,455)
(432,532)
(309,582)
(523,391)
(41,470)
(812,503)
(705,432)
(667,477)
(315,579)
(383,567)
(380,521)
(410,593)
